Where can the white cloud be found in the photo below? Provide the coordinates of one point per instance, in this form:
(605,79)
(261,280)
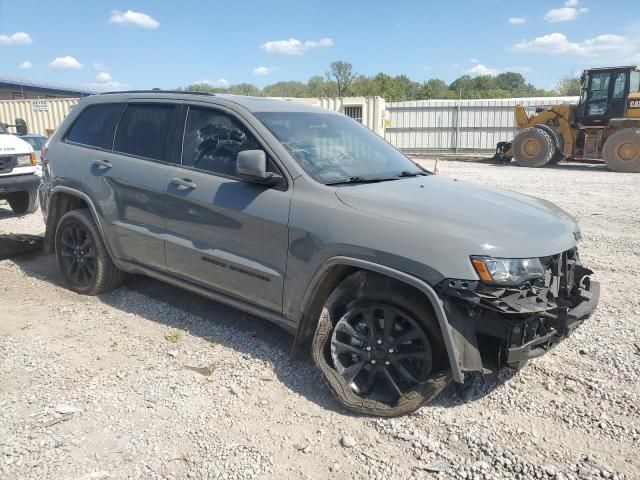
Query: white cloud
(103,77)
(571,3)
(111,86)
(606,46)
(18,38)
(293,46)
(517,20)
(480,69)
(221,82)
(65,63)
(105,83)
(564,14)
(99,67)
(474,60)
(137,19)
(264,70)
(26,65)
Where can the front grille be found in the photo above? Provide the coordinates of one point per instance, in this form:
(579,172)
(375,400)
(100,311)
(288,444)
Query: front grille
(7,164)
(560,272)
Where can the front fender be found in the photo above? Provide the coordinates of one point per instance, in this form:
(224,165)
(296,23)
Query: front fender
(308,321)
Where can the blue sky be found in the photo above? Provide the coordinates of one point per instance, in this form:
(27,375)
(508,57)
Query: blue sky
(144,44)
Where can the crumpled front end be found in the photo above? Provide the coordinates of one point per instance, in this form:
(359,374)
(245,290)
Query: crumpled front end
(495,326)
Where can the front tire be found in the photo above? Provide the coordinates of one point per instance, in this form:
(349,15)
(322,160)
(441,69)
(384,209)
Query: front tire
(82,256)
(533,147)
(23,203)
(621,151)
(378,347)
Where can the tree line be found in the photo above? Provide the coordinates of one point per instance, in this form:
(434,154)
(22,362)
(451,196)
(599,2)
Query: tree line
(340,80)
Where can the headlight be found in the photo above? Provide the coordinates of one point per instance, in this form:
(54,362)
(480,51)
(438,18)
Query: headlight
(27,160)
(507,271)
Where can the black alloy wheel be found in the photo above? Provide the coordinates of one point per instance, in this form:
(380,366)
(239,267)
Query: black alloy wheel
(78,255)
(381,352)
(82,255)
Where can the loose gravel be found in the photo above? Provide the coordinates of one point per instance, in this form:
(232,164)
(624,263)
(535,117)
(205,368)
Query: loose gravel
(153,382)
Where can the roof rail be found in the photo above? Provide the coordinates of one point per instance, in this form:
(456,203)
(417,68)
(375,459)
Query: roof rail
(158,90)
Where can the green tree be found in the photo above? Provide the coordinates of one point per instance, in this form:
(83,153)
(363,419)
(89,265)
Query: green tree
(340,81)
(286,89)
(569,86)
(462,85)
(362,86)
(205,88)
(318,86)
(342,73)
(434,89)
(244,89)
(510,81)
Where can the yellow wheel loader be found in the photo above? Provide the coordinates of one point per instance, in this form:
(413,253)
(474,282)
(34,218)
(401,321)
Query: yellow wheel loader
(605,125)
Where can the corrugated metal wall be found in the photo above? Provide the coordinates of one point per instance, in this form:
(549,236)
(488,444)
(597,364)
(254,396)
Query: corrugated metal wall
(457,126)
(42,116)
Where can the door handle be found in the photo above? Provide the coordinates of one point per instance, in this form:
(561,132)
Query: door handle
(102,164)
(183,183)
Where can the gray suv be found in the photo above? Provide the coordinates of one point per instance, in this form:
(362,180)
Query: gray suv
(395,280)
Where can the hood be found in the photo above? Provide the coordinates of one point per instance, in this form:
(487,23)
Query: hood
(489,221)
(12,145)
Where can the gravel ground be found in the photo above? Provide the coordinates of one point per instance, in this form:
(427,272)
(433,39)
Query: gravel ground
(152,382)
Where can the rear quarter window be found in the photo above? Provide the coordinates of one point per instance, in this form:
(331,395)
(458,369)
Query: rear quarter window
(96,125)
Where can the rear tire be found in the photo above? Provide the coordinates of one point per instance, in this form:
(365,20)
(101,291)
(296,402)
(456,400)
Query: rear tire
(621,151)
(533,147)
(23,203)
(82,256)
(369,301)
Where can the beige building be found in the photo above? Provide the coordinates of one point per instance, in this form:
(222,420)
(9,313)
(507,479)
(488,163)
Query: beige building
(15,88)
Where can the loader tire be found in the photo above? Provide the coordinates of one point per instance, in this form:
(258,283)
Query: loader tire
(533,147)
(621,151)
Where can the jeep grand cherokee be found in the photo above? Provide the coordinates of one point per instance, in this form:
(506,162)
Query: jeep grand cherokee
(396,280)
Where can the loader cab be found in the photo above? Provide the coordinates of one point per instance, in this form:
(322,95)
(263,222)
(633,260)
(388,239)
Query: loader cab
(604,94)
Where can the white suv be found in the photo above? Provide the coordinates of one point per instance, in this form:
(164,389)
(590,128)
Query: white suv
(19,170)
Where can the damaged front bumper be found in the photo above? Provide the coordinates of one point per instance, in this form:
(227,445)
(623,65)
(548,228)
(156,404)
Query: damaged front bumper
(494,326)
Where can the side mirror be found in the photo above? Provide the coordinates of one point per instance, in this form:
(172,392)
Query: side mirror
(251,165)
(21,127)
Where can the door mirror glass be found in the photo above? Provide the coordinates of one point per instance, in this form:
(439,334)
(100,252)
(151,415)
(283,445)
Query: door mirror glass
(251,165)
(21,127)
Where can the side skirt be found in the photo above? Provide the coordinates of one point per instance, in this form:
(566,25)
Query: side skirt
(274,317)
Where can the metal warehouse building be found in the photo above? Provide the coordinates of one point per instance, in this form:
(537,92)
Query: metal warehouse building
(14,88)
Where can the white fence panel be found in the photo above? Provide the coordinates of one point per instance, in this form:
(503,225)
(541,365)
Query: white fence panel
(457,126)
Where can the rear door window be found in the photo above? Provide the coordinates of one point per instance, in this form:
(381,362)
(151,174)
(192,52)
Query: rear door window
(143,130)
(95,125)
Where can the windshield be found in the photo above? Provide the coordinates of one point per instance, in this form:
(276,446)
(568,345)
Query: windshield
(334,148)
(2,128)
(36,142)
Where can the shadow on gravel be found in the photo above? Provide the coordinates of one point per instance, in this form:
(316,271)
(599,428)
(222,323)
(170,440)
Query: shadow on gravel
(300,376)
(584,166)
(14,245)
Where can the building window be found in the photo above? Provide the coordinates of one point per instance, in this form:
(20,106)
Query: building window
(354,112)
